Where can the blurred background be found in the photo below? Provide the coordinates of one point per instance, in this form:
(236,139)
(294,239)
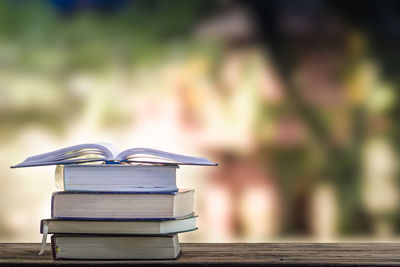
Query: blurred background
(296,100)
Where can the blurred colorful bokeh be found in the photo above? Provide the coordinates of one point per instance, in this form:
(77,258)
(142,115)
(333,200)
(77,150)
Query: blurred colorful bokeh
(298,102)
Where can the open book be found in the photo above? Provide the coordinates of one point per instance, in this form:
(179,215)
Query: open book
(104,152)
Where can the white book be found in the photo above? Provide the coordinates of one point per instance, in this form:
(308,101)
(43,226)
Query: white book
(104,152)
(122,205)
(118,177)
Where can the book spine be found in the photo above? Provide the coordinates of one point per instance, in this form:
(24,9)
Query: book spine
(52,204)
(54,247)
(63,179)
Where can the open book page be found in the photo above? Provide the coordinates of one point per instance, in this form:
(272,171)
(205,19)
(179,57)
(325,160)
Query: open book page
(107,152)
(147,155)
(112,149)
(72,154)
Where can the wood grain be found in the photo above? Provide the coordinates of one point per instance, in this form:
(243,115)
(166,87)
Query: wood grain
(203,254)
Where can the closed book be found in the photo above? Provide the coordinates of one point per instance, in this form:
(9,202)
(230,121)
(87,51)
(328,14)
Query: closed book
(120,227)
(120,177)
(121,205)
(114,247)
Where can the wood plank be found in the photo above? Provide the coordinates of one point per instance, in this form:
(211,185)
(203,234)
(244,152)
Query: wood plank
(202,254)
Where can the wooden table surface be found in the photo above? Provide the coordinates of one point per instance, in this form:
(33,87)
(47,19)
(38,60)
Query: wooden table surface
(202,254)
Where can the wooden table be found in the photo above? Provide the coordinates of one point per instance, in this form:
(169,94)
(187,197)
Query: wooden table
(202,254)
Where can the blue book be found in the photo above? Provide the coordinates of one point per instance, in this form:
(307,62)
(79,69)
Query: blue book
(122,205)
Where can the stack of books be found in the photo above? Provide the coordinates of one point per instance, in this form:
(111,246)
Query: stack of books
(127,208)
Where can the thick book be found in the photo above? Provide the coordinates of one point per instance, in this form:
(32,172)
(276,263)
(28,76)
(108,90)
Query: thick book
(104,152)
(120,227)
(121,205)
(119,177)
(114,247)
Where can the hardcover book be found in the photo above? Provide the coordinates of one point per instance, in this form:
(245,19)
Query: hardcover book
(120,227)
(119,177)
(122,205)
(114,247)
